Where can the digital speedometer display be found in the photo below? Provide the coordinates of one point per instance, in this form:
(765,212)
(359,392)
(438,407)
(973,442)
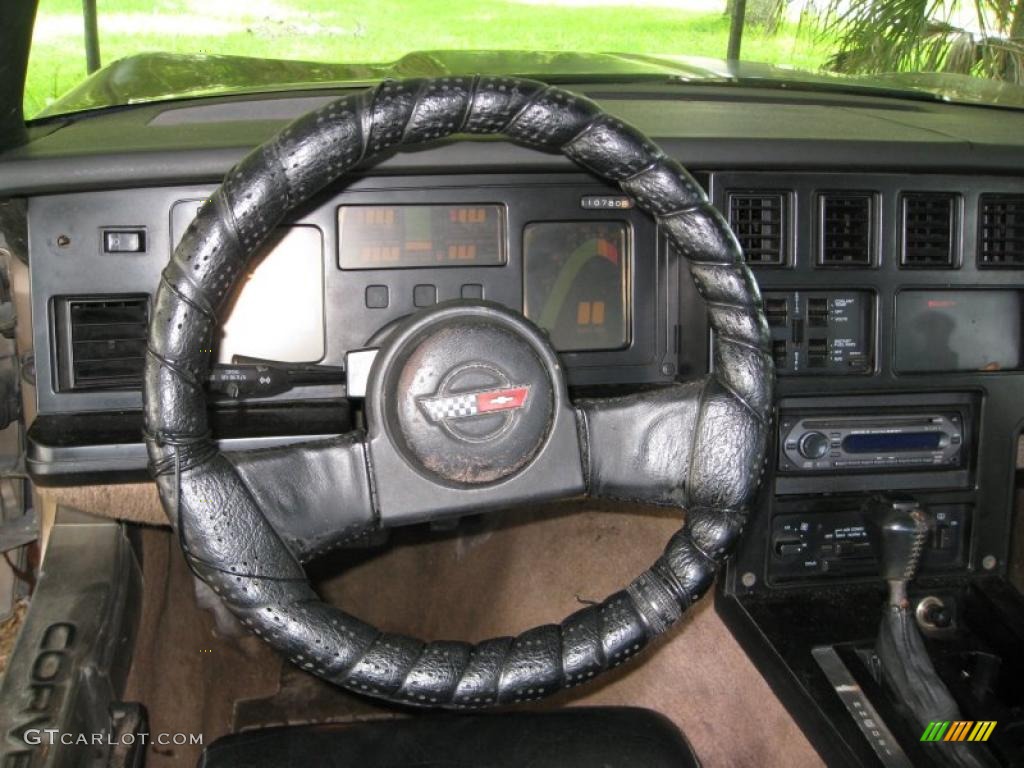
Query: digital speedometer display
(575,282)
(404,236)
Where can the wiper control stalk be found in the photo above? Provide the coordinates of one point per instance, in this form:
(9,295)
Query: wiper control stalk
(253,377)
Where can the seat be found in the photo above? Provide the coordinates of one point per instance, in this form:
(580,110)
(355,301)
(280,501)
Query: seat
(609,737)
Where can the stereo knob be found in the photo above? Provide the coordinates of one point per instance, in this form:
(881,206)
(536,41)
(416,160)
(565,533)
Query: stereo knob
(813,445)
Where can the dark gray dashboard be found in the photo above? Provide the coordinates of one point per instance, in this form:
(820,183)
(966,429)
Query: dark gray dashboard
(68,263)
(844,204)
(703,126)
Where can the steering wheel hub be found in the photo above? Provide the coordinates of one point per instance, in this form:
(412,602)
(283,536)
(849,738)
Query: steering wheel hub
(467,399)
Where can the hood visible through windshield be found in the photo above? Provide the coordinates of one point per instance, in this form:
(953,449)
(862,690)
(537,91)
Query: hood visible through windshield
(184,48)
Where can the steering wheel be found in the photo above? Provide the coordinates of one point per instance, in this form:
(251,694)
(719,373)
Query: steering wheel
(467,410)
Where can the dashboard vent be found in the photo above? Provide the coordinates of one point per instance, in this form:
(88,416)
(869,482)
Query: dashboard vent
(929,230)
(1001,231)
(845,229)
(759,222)
(103,341)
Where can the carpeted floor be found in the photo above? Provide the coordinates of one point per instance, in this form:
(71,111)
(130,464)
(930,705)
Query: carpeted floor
(185,675)
(498,575)
(9,628)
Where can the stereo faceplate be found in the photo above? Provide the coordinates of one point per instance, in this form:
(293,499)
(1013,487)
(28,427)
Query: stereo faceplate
(838,444)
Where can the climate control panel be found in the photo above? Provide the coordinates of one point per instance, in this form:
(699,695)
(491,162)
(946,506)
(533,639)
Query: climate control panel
(833,542)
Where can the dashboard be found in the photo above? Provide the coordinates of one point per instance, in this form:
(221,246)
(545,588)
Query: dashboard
(886,237)
(597,279)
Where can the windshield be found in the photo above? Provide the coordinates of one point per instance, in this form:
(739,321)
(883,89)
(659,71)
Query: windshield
(972,51)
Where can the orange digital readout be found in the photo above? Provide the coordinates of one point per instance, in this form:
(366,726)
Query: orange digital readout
(590,313)
(405,236)
(468,215)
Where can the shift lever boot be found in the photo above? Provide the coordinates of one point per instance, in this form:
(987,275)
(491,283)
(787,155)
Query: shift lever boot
(900,529)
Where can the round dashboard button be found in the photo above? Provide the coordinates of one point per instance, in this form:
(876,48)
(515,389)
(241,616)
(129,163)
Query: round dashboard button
(813,445)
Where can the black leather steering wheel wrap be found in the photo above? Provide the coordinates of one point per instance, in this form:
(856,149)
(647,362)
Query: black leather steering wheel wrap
(247,522)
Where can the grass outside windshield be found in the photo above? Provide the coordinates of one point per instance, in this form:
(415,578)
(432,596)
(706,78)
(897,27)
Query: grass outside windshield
(384,30)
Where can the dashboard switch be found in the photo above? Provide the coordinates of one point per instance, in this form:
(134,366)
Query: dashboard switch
(788,547)
(424,295)
(828,332)
(944,537)
(124,241)
(377,296)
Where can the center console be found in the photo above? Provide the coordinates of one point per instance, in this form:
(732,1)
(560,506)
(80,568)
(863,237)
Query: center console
(898,348)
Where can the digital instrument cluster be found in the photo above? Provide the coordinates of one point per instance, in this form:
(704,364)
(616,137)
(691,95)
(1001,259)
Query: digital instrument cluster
(574,273)
(577,259)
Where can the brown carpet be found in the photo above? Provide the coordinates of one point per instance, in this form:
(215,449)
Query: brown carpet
(187,677)
(498,576)
(9,629)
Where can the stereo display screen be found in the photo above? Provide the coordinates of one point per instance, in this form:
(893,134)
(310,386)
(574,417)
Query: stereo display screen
(892,442)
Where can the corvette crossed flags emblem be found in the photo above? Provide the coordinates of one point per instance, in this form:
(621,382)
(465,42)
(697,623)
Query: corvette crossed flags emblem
(465,404)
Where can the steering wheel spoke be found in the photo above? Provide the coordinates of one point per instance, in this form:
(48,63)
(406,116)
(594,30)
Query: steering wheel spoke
(638,447)
(315,495)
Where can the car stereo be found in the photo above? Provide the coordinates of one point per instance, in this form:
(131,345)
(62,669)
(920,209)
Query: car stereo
(837,443)
(867,442)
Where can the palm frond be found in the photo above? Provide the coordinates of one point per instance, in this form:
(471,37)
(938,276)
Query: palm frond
(876,36)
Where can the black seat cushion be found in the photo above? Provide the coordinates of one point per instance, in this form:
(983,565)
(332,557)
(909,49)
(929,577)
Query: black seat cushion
(595,737)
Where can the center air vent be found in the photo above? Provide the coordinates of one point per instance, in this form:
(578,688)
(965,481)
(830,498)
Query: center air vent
(759,222)
(1001,231)
(101,341)
(929,230)
(845,229)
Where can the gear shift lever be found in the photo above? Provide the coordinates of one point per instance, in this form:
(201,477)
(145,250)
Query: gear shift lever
(899,529)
